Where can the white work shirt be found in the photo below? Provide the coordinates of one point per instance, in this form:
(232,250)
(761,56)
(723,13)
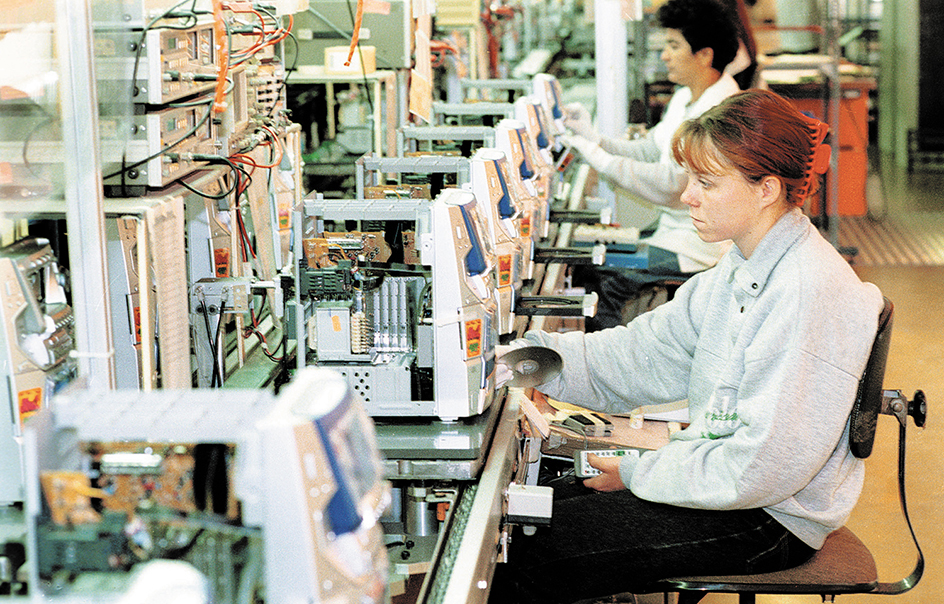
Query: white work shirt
(675,231)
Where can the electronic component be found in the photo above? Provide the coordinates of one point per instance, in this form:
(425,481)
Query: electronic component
(530,111)
(522,174)
(547,89)
(162,65)
(401,191)
(154,131)
(168,107)
(530,504)
(582,467)
(502,213)
(412,331)
(326,251)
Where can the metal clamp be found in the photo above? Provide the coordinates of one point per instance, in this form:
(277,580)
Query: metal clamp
(895,403)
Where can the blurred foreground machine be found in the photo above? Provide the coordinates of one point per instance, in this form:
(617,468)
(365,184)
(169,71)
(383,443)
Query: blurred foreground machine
(206,496)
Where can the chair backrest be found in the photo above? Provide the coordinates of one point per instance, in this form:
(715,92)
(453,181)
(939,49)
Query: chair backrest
(864,416)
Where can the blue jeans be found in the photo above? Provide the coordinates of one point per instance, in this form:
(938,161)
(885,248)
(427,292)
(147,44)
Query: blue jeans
(601,544)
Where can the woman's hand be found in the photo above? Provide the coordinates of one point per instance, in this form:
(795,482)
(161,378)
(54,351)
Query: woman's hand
(610,479)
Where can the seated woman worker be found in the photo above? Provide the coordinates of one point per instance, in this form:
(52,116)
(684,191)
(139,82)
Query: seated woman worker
(767,347)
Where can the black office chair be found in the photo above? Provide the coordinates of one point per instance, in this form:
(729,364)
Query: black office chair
(844,565)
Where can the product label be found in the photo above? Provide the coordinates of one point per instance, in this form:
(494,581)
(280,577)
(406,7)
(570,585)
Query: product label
(504,270)
(31,401)
(473,338)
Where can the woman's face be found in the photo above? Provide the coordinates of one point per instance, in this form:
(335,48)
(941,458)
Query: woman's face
(680,61)
(726,206)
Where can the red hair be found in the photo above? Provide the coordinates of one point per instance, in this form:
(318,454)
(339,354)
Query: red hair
(758,133)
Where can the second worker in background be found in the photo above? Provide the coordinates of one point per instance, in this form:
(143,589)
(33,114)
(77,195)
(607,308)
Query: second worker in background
(700,41)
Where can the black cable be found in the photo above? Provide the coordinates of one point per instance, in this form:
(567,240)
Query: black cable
(207,195)
(191,132)
(255,330)
(213,350)
(244,236)
(288,72)
(220,196)
(217,370)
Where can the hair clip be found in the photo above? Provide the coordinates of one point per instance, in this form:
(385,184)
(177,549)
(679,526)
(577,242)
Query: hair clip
(818,161)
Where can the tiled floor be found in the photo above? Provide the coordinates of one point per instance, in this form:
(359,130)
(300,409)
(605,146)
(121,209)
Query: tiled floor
(916,361)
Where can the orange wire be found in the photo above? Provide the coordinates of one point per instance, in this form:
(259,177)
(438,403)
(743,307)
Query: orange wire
(280,34)
(222,57)
(356,34)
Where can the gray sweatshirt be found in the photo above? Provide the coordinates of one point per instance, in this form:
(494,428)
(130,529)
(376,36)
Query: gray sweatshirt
(768,351)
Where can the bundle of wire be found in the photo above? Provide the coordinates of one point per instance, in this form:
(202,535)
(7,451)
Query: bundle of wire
(226,57)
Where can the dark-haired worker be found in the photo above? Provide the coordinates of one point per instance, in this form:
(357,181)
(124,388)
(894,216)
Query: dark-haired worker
(700,41)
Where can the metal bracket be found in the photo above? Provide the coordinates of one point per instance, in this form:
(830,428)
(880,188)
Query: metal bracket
(895,403)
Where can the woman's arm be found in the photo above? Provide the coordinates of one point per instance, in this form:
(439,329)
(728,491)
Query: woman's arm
(787,430)
(763,434)
(635,166)
(646,362)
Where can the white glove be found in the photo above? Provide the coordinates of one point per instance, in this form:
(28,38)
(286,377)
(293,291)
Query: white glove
(590,152)
(579,121)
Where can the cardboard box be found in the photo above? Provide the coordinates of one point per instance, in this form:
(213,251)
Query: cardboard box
(335,56)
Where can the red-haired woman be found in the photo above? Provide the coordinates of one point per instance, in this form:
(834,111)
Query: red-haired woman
(767,347)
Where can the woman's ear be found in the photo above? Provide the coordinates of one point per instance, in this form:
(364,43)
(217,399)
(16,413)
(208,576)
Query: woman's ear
(771,190)
(706,56)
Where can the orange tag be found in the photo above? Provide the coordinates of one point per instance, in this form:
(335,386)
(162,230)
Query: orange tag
(137,324)
(31,401)
(284,216)
(221,259)
(504,270)
(473,338)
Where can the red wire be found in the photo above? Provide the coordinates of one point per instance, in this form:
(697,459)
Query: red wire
(264,40)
